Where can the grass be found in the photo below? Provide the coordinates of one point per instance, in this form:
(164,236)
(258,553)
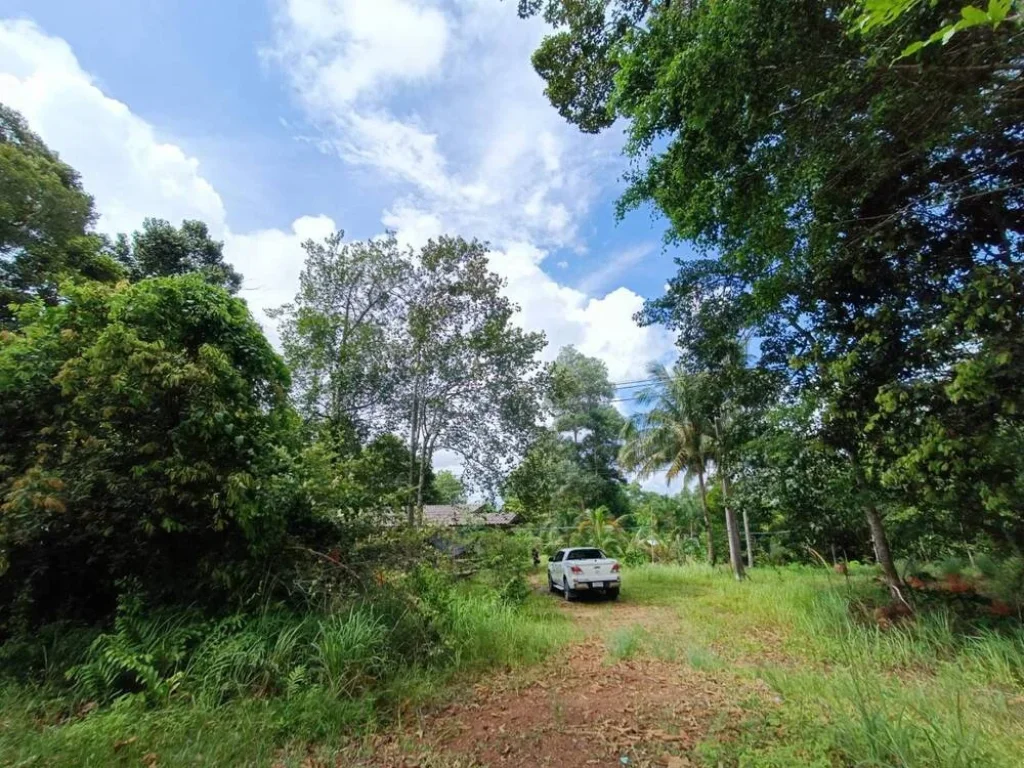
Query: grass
(289,690)
(929,693)
(270,689)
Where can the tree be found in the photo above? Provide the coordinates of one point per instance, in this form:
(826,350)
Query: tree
(45,220)
(162,250)
(799,485)
(448,489)
(672,435)
(579,397)
(878,14)
(144,435)
(599,528)
(343,334)
(471,379)
(854,211)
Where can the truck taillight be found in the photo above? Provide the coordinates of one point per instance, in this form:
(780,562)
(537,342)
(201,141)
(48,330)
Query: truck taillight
(615,568)
(576,569)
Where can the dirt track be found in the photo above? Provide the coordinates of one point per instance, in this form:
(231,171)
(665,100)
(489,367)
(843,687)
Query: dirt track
(583,707)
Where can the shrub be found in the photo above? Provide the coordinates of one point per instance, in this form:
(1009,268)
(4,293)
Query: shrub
(140,434)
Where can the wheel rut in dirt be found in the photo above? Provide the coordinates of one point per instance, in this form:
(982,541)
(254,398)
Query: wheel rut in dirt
(582,707)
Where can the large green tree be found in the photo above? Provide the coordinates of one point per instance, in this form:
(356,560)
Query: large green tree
(448,488)
(341,333)
(471,377)
(160,249)
(45,220)
(580,398)
(860,213)
(142,430)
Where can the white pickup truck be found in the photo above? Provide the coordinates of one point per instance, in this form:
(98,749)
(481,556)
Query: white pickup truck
(583,569)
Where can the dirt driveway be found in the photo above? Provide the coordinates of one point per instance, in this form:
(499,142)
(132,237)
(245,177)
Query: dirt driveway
(594,703)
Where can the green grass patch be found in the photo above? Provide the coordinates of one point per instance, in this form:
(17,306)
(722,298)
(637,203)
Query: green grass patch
(931,692)
(269,688)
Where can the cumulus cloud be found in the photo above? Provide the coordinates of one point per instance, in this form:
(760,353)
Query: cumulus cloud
(485,156)
(339,51)
(271,261)
(459,123)
(130,172)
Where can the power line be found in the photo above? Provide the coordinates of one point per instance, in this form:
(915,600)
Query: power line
(624,399)
(635,382)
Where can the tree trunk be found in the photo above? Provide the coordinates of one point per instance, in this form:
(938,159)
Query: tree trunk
(735,557)
(413,435)
(707,517)
(750,543)
(425,458)
(882,553)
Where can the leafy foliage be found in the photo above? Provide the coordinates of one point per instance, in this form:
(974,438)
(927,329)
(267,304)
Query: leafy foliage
(859,216)
(45,218)
(162,250)
(141,431)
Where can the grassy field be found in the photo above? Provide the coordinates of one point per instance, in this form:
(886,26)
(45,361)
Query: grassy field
(845,692)
(922,694)
(269,689)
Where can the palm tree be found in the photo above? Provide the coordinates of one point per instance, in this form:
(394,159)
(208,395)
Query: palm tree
(672,435)
(597,527)
(647,531)
(560,526)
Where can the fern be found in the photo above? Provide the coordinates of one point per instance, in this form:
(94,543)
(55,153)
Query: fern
(141,655)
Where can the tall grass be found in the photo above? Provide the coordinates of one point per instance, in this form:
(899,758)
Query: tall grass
(930,692)
(179,685)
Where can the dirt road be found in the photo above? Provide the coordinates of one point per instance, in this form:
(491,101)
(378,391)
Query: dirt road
(595,703)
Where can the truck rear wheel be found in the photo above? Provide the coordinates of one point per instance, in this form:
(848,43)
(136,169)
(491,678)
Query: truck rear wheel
(567,593)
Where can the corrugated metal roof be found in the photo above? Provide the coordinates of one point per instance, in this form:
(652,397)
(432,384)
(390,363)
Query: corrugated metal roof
(454,515)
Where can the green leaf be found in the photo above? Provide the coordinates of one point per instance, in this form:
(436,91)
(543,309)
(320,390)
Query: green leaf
(973,16)
(913,48)
(998,10)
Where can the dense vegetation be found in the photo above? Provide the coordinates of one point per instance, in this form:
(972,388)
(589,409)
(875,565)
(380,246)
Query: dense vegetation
(194,522)
(857,198)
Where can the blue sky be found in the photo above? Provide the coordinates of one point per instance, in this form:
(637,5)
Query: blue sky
(277,120)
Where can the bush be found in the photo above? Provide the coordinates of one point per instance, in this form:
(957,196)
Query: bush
(141,434)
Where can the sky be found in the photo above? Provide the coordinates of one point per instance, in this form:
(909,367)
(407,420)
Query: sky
(275,121)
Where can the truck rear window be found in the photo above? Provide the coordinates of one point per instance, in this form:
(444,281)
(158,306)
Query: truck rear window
(585,554)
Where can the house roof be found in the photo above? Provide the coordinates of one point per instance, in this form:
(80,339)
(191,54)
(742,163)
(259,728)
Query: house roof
(455,515)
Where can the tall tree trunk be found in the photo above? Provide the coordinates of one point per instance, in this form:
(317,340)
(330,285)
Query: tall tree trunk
(735,557)
(413,437)
(882,553)
(707,516)
(750,543)
(426,457)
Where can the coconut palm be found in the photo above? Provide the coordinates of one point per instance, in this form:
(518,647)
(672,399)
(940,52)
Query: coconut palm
(647,530)
(671,435)
(599,528)
(560,527)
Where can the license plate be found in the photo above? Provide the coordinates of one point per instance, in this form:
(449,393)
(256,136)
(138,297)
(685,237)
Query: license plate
(599,584)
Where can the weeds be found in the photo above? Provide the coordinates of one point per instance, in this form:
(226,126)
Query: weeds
(177,684)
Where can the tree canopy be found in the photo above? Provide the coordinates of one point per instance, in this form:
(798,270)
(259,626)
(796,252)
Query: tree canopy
(859,213)
(45,220)
(139,427)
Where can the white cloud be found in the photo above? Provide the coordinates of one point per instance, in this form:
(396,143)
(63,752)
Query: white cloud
(130,172)
(485,156)
(133,174)
(615,267)
(340,50)
(463,128)
(271,261)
